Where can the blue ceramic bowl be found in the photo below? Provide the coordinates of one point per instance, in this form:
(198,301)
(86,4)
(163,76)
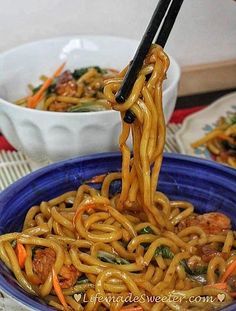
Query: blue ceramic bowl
(209,186)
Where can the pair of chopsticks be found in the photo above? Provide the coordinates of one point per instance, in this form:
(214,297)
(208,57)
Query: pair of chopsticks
(165,13)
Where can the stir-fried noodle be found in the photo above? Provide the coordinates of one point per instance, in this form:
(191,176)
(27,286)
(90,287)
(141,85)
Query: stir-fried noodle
(89,250)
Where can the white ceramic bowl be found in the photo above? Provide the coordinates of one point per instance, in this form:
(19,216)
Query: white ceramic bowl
(52,136)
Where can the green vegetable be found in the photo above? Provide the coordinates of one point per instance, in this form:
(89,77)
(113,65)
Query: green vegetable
(51,88)
(36,89)
(82,280)
(199,270)
(146,230)
(100,70)
(88,107)
(198,274)
(227,145)
(164,251)
(110,258)
(185,265)
(80,72)
(49,91)
(232,119)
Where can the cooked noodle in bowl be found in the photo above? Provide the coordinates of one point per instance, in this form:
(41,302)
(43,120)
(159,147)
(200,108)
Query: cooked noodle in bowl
(71,117)
(85,248)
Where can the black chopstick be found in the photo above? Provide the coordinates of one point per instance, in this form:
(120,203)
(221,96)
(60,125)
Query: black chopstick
(169,22)
(145,45)
(142,50)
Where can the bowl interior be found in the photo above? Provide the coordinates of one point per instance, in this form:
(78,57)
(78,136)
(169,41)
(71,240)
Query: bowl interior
(24,64)
(209,186)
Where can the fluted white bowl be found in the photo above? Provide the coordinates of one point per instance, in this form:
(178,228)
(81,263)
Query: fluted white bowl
(51,136)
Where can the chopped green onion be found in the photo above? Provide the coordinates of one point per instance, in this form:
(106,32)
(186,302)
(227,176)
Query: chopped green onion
(164,251)
(82,280)
(232,119)
(36,89)
(80,72)
(146,230)
(199,270)
(110,258)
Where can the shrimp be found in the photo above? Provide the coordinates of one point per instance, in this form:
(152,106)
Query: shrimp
(67,276)
(211,223)
(43,262)
(207,252)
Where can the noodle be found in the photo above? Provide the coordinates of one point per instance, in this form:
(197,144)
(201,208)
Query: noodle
(77,91)
(136,247)
(221,141)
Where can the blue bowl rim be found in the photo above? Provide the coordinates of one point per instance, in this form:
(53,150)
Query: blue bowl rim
(108,155)
(33,305)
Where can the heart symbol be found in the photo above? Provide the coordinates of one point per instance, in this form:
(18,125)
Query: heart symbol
(221,297)
(77,297)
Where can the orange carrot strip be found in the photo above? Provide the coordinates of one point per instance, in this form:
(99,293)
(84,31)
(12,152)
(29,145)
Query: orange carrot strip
(34,279)
(21,254)
(85,206)
(231,269)
(221,285)
(33,100)
(96,179)
(225,137)
(132,309)
(58,290)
